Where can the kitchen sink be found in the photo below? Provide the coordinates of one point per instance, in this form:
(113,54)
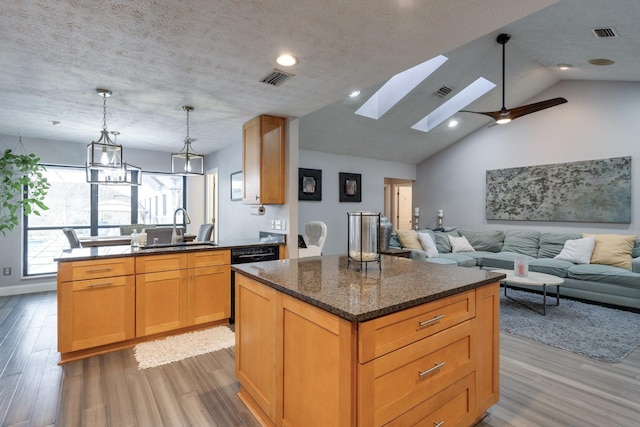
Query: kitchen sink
(177,246)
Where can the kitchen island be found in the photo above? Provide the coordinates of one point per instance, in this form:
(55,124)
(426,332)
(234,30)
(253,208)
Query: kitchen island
(112,297)
(411,343)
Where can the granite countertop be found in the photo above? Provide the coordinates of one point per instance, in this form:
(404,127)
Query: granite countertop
(400,283)
(101,252)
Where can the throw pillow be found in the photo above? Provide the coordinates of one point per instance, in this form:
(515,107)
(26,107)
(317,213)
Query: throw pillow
(428,245)
(577,251)
(460,244)
(409,239)
(613,249)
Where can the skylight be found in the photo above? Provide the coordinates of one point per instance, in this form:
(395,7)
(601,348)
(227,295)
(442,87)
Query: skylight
(398,87)
(466,96)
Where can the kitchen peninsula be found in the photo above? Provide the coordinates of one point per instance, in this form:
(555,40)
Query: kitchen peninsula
(320,344)
(112,297)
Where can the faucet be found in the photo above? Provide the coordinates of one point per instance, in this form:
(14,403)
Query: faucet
(174,233)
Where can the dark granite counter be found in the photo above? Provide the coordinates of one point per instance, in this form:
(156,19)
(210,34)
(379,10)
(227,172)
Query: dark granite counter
(101,252)
(401,283)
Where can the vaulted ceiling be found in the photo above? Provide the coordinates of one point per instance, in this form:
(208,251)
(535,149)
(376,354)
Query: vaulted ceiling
(156,56)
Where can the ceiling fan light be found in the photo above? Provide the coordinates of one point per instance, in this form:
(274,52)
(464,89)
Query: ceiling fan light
(503,121)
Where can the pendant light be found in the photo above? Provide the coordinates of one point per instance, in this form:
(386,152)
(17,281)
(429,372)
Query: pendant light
(187,161)
(126,175)
(104,153)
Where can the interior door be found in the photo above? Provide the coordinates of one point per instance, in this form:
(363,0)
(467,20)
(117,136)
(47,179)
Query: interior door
(403,211)
(211,201)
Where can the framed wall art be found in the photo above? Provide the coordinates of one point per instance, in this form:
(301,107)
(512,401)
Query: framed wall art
(309,184)
(236,185)
(350,187)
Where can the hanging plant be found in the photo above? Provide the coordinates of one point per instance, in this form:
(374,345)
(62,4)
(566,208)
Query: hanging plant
(22,189)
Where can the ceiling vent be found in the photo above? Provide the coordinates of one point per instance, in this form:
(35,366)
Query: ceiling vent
(604,33)
(276,77)
(443,91)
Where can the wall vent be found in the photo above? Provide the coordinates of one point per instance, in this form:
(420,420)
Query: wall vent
(443,91)
(276,77)
(604,33)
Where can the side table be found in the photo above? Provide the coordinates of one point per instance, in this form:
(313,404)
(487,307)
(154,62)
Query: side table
(402,253)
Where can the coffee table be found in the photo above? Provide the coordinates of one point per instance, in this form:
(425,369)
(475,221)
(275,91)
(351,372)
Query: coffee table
(532,279)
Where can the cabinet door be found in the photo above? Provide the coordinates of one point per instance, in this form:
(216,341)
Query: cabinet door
(161,302)
(256,368)
(488,342)
(95,312)
(251,155)
(272,160)
(209,294)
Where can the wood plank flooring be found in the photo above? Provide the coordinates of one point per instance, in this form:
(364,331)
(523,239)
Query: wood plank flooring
(540,385)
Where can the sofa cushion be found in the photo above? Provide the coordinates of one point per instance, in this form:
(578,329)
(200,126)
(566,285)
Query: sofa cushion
(502,260)
(442,241)
(613,249)
(409,239)
(394,242)
(552,266)
(478,256)
(525,242)
(577,251)
(460,244)
(605,274)
(636,249)
(490,241)
(442,260)
(460,258)
(552,243)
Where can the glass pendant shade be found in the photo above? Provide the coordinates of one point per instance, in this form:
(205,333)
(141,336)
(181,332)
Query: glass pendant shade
(104,153)
(187,161)
(126,175)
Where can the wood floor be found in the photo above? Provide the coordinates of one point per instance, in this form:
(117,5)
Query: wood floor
(540,385)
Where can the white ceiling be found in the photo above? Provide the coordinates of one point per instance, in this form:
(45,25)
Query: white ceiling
(157,55)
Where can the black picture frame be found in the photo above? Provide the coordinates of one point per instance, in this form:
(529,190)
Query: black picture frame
(350,187)
(236,186)
(309,184)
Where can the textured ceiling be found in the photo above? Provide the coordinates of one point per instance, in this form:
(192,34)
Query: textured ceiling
(159,55)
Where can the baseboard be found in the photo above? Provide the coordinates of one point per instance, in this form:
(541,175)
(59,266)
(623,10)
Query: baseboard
(27,288)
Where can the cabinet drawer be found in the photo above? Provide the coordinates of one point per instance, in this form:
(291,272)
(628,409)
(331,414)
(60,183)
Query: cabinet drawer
(157,263)
(453,406)
(388,333)
(209,258)
(396,382)
(94,269)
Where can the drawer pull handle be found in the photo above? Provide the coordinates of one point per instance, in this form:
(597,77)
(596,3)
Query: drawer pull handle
(100,285)
(430,321)
(98,270)
(440,424)
(428,371)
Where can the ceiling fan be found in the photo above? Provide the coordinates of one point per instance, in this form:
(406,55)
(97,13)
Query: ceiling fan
(505,115)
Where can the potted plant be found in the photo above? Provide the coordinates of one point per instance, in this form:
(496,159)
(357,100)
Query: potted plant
(23,186)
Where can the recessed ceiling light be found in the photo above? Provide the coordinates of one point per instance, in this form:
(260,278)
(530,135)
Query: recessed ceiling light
(601,61)
(287,60)
(565,66)
(453,123)
(354,93)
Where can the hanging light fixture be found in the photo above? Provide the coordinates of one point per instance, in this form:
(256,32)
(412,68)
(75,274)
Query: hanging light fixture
(187,161)
(126,175)
(104,153)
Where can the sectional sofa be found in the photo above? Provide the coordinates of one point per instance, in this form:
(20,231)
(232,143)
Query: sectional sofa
(611,276)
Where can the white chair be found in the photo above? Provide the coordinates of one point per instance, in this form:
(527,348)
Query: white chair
(315,234)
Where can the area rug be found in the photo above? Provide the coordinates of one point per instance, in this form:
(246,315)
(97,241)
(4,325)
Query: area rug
(178,347)
(601,333)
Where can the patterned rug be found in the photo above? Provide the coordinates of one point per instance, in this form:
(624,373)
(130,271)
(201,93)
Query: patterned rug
(601,333)
(178,347)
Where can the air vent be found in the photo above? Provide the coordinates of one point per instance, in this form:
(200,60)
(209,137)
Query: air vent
(443,91)
(276,77)
(604,33)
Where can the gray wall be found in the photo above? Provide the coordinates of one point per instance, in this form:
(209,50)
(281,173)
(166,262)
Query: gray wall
(599,121)
(330,210)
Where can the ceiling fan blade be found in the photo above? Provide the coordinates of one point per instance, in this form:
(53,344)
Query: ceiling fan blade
(538,106)
(493,114)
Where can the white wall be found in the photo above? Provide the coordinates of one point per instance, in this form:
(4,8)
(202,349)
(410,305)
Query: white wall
(330,209)
(599,121)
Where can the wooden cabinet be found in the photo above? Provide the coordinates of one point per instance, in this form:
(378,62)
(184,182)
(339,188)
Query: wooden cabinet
(95,303)
(183,289)
(263,160)
(299,365)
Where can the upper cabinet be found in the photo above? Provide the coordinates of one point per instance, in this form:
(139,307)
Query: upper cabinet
(263,161)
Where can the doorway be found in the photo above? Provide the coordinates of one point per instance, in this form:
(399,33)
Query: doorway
(398,200)
(211,200)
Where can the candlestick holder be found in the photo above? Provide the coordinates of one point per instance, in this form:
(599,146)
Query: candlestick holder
(363,243)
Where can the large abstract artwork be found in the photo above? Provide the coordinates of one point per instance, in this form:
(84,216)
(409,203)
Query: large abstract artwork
(588,191)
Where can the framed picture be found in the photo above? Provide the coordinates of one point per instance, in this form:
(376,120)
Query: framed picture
(350,187)
(309,184)
(236,185)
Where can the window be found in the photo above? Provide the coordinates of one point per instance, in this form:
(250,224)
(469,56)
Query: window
(71,204)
